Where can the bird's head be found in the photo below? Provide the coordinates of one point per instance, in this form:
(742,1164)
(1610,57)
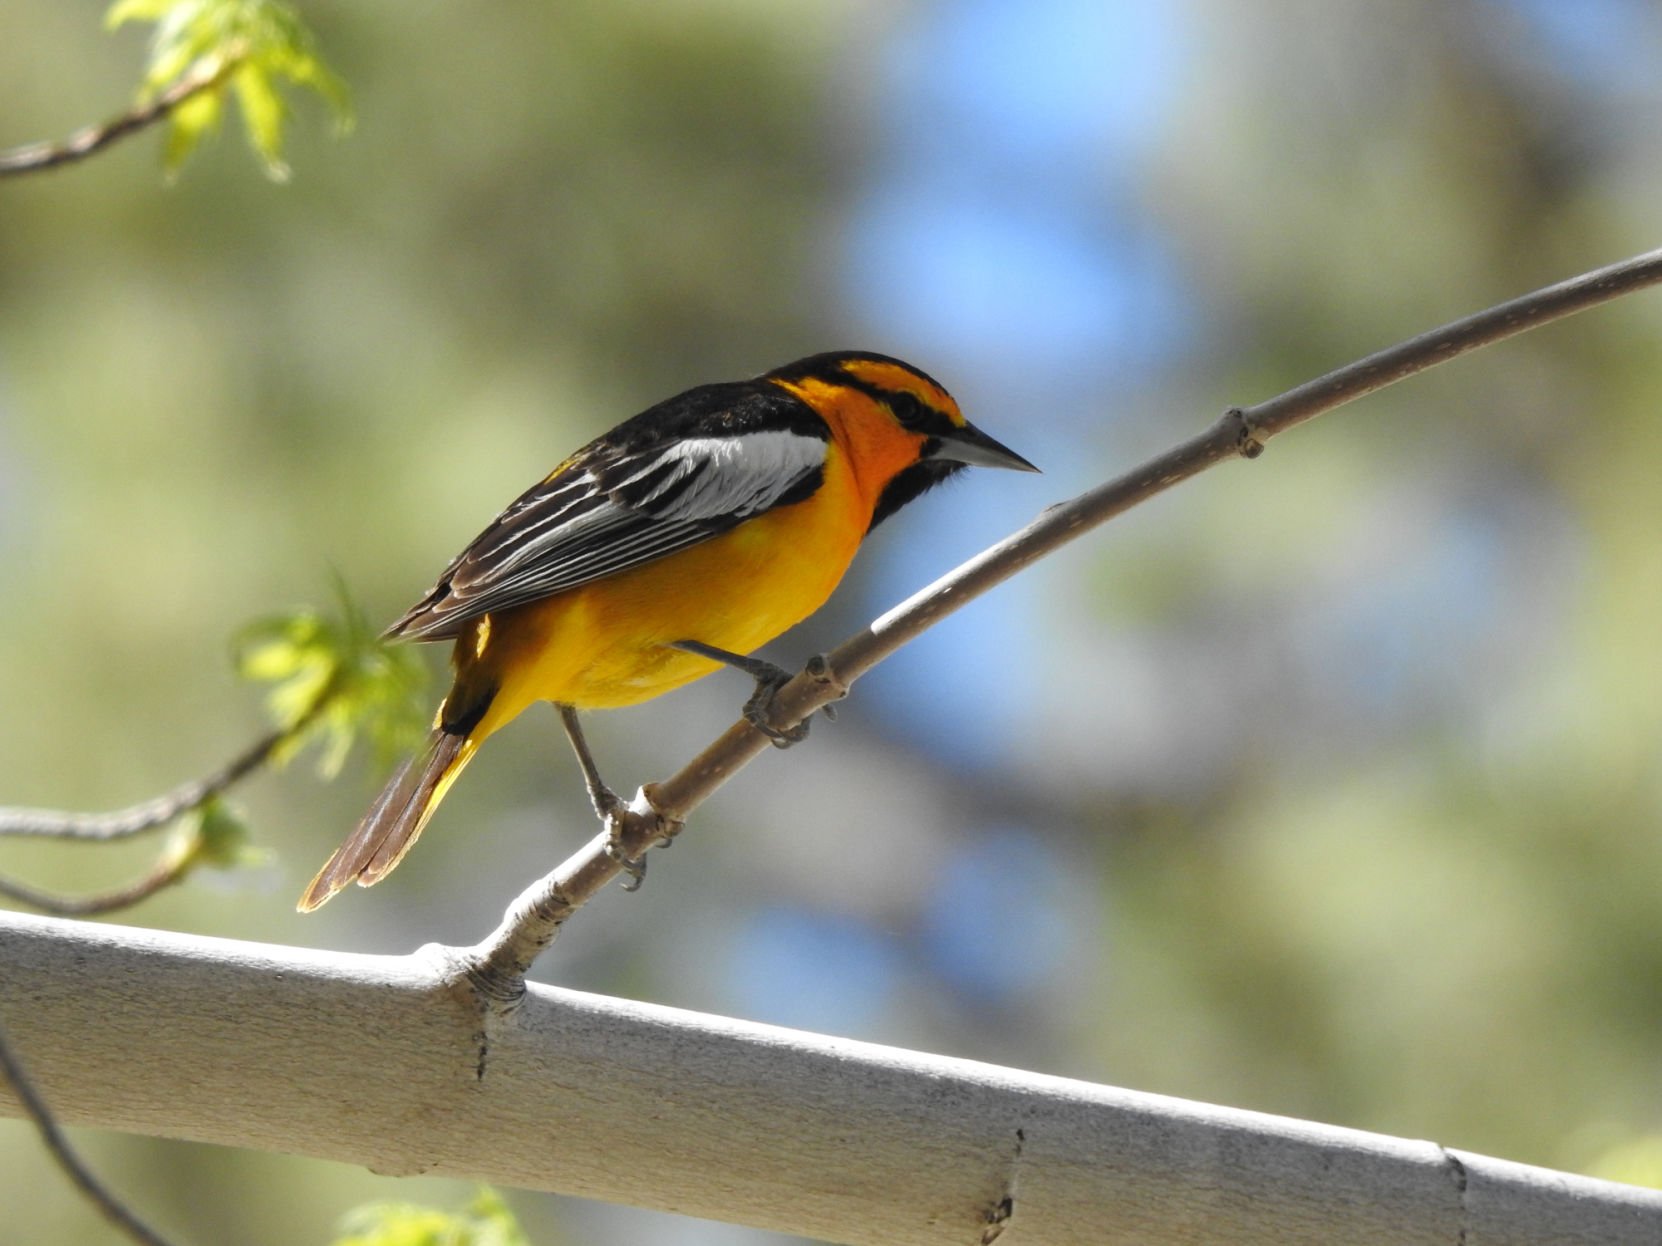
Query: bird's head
(899,425)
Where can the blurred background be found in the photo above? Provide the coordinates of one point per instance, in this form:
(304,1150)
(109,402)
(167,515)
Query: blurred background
(1329,785)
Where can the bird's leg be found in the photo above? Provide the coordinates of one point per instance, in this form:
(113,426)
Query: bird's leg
(606,802)
(769,679)
(608,806)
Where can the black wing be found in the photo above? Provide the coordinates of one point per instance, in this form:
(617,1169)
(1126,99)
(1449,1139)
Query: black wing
(677,474)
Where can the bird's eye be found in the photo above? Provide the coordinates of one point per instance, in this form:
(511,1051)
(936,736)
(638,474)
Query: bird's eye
(908,410)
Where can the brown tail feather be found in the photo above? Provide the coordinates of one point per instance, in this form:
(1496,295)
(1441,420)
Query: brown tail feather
(390,827)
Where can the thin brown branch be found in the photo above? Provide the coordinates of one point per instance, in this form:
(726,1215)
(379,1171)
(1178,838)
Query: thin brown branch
(159,811)
(111,1207)
(1484,328)
(205,75)
(186,798)
(172,867)
(498,964)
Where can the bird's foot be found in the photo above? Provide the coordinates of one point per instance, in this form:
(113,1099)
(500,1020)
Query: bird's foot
(758,709)
(609,807)
(640,824)
(634,867)
(770,678)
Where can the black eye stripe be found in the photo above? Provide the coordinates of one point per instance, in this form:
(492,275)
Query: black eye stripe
(910,411)
(917,416)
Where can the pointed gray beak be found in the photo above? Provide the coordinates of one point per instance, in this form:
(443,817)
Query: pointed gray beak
(970,445)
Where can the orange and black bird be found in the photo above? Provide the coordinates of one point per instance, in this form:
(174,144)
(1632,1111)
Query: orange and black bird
(674,544)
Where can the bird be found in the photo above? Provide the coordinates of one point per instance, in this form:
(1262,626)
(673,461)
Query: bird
(673,545)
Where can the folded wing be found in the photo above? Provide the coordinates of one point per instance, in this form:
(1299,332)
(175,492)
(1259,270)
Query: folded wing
(623,501)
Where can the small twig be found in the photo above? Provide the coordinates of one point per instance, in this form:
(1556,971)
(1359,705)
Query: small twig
(38,157)
(159,811)
(102,827)
(170,869)
(113,1209)
(1484,328)
(497,965)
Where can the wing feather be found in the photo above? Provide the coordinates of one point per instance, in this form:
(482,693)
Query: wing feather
(624,501)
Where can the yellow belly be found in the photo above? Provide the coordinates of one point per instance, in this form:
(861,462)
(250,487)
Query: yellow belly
(605,644)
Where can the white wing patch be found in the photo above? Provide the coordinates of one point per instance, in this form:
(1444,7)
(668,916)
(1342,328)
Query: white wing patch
(712,477)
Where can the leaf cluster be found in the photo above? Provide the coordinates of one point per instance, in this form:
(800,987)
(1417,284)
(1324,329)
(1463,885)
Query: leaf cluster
(333,679)
(245,47)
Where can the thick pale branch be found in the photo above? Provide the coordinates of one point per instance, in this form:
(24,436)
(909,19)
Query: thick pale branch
(659,811)
(354,1058)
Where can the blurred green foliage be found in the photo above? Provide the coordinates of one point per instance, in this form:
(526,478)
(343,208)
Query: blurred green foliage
(257,44)
(486,1221)
(333,681)
(1636,1160)
(215,835)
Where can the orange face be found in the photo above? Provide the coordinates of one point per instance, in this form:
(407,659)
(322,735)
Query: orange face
(896,379)
(879,446)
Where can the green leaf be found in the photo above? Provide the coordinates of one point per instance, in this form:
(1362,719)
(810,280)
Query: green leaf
(214,835)
(136,11)
(486,1221)
(313,73)
(263,113)
(190,122)
(334,681)
(224,840)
